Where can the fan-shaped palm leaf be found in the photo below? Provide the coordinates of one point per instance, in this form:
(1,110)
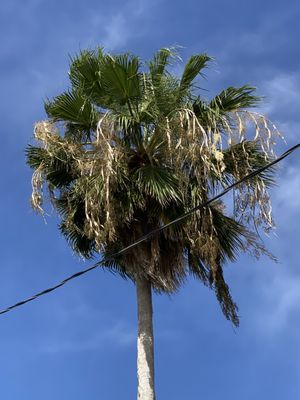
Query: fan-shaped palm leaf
(234,98)
(74,108)
(193,67)
(158,183)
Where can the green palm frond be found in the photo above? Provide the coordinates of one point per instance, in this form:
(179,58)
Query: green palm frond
(74,108)
(192,69)
(160,61)
(35,156)
(234,98)
(120,79)
(59,173)
(158,183)
(85,75)
(230,235)
(58,169)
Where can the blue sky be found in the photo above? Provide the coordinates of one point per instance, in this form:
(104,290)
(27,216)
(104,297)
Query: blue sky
(79,342)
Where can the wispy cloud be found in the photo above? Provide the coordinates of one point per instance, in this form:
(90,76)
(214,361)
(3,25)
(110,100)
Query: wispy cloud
(288,195)
(117,335)
(281,300)
(114,28)
(282,100)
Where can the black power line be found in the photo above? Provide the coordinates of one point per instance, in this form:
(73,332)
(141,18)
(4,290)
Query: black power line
(152,233)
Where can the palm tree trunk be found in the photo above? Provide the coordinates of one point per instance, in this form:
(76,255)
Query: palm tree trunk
(145,350)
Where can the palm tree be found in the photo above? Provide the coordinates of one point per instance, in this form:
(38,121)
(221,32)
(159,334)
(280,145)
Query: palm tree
(127,148)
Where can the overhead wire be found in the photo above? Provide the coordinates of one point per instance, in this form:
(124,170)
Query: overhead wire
(152,233)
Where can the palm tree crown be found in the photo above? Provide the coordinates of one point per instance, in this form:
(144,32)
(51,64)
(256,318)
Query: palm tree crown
(130,146)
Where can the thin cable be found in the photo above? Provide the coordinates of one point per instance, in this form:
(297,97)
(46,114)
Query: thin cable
(76,275)
(153,232)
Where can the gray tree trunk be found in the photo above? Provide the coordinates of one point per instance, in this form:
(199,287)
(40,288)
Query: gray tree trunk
(145,345)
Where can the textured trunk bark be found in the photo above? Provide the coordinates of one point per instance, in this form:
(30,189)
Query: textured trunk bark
(145,350)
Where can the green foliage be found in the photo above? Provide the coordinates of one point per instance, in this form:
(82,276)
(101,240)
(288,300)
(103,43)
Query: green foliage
(158,183)
(233,99)
(85,75)
(157,66)
(129,147)
(121,78)
(77,110)
(58,168)
(193,67)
